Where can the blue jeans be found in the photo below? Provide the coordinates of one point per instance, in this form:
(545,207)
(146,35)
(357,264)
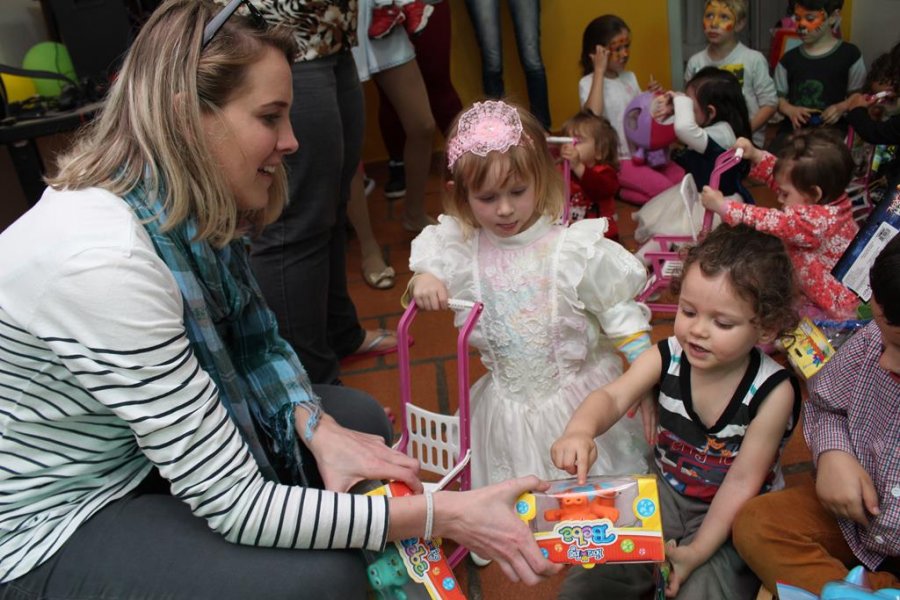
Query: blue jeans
(300,261)
(526,15)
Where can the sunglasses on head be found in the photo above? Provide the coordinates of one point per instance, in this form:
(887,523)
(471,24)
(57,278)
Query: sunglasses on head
(216,23)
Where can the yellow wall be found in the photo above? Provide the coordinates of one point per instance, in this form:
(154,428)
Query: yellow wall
(562,23)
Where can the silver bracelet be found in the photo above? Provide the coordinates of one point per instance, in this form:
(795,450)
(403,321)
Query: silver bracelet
(429,515)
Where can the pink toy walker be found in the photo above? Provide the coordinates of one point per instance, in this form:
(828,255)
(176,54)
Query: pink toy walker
(439,442)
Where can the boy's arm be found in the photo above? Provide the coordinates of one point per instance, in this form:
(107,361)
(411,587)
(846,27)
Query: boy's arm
(763,87)
(575,451)
(843,486)
(743,481)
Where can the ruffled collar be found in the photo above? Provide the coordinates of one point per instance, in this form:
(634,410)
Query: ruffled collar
(523,238)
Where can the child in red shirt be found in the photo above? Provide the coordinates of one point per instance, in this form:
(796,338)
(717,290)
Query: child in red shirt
(815,221)
(594,161)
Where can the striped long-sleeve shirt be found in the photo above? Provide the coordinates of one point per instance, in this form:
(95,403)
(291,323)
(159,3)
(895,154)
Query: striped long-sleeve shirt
(98,383)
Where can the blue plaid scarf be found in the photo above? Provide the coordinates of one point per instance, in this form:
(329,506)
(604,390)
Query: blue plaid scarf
(259,377)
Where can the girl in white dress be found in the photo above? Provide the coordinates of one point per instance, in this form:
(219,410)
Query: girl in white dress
(557,301)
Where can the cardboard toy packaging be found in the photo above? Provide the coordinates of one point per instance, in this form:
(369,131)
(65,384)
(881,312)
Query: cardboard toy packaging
(880,228)
(410,569)
(606,520)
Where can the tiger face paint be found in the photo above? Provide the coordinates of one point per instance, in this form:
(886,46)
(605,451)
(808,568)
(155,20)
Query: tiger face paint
(719,17)
(810,22)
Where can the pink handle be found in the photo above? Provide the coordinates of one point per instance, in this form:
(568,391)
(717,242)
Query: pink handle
(725,161)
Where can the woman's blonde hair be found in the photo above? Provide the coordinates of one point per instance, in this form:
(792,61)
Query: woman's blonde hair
(149,130)
(529,160)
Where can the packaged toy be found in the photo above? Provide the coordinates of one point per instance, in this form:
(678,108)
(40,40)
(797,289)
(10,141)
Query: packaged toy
(882,225)
(606,520)
(410,569)
(853,587)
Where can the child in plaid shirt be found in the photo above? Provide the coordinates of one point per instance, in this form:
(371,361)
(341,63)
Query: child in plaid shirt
(810,534)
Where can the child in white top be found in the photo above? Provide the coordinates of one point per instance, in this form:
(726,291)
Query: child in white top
(725,412)
(722,21)
(558,300)
(605,90)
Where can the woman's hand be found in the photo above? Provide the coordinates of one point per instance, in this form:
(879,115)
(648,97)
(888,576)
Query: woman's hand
(574,453)
(713,200)
(484,520)
(600,58)
(845,488)
(751,152)
(429,292)
(345,457)
(683,560)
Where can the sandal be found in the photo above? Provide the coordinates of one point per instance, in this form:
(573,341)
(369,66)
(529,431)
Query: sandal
(375,346)
(376,274)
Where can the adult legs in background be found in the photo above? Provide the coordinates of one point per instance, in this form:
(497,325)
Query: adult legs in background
(640,183)
(300,260)
(404,88)
(485,16)
(526,15)
(375,271)
(149,545)
(433,57)
(809,553)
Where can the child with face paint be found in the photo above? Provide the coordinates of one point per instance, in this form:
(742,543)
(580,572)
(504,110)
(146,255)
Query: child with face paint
(605,90)
(722,21)
(814,78)
(810,534)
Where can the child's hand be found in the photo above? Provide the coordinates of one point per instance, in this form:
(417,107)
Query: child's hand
(654,85)
(834,112)
(797,115)
(683,560)
(751,152)
(429,292)
(570,153)
(600,58)
(574,453)
(713,200)
(844,487)
(662,107)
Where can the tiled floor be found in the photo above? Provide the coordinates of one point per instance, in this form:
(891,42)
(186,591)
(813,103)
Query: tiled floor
(433,357)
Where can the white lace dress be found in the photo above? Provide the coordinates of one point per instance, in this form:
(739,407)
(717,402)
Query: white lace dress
(553,298)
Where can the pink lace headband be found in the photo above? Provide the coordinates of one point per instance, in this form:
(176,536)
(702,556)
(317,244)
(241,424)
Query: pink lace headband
(487,126)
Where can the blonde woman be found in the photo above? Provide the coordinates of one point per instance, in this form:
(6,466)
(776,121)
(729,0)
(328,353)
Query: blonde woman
(159,439)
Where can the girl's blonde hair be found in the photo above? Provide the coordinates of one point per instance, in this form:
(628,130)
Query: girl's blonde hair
(529,160)
(149,131)
(599,129)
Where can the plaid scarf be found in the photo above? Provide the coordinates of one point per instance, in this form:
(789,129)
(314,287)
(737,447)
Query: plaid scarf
(235,338)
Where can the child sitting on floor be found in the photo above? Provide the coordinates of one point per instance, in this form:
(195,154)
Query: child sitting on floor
(815,220)
(594,160)
(850,514)
(725,412)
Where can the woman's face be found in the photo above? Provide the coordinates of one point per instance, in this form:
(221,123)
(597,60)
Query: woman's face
(252,133)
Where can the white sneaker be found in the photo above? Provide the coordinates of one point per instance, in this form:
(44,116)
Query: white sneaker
(480,562)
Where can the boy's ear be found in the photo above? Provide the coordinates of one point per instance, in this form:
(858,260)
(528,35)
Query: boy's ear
(739,26)
(768,336)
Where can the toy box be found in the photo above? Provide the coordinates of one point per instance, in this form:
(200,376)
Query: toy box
(411,569)
(606,520)
(882,225)
(807,348)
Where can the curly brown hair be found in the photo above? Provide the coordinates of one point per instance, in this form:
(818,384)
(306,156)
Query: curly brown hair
(759,270)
